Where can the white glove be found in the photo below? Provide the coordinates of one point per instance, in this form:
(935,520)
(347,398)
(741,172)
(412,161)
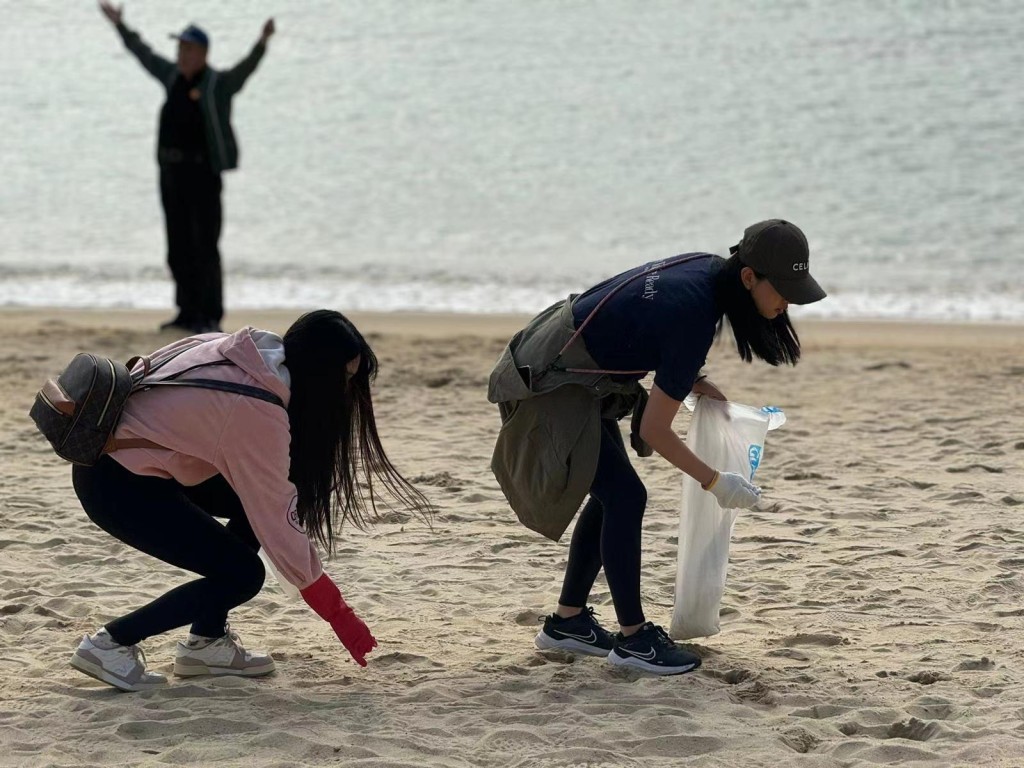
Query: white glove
(733,491)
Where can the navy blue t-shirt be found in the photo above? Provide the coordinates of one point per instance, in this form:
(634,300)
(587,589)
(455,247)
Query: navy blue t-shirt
(664,322)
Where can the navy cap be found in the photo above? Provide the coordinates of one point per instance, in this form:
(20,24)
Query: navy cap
(778,250)
(192,34)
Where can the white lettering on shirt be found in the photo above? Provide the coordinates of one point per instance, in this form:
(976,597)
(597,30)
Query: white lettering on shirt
(650,288)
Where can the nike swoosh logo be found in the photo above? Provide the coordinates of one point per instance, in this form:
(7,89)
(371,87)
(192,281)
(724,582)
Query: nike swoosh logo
(644,656)
(591,638)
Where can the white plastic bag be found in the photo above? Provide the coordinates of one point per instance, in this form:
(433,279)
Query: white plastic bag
(729,437)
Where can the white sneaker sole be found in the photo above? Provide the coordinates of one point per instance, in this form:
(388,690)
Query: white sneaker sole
(547,643)
(99,673)
(198,670)
(652,669)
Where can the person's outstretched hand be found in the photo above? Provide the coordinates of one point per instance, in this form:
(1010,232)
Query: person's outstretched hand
(324,598)
(354,635)
(268,30)
(112,13)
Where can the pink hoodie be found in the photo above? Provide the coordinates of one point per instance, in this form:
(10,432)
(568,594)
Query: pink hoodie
(207,432)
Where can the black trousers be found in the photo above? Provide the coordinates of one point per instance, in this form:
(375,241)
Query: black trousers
(608,532)
(175,523)
(190,193)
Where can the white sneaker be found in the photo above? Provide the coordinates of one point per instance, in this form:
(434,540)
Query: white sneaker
(122,666)
(223,656)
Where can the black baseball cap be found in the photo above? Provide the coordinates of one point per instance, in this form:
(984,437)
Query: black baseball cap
(192,34)
(778,250)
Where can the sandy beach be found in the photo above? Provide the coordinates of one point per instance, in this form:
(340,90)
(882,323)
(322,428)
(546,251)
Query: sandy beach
(874,612)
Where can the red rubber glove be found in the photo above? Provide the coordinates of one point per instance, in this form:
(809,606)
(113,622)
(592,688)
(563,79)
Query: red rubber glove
(324,598)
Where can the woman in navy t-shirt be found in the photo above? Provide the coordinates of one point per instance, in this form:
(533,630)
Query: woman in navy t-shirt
(664,320)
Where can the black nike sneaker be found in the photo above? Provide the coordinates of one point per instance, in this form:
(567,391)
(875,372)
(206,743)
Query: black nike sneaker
(651,650)
(580,634)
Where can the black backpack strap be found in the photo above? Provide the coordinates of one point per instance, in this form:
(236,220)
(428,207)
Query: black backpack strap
(222,386)
(149,367)
(183,371)
(215,384)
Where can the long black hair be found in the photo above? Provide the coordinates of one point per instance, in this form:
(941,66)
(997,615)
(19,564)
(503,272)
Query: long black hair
(775,341)
(337,460)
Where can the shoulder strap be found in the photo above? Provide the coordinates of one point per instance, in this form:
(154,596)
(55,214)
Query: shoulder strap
(222,386)
(147,362)
(171,381)
(603,301)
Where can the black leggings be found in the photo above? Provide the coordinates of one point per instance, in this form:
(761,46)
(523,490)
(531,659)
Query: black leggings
(608,533)
(176,524)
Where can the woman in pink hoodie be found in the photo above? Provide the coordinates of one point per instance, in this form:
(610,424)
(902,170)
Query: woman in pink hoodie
(279,463)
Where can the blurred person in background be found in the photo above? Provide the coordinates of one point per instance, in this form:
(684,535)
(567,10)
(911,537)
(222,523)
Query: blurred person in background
(195,145)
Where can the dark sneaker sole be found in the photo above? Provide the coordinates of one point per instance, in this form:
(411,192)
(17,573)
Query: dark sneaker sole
(546,642)
(633,662)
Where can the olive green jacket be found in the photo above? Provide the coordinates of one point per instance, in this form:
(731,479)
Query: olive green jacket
(545,457)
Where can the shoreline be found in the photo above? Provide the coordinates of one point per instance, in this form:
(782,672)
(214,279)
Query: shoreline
(877,333)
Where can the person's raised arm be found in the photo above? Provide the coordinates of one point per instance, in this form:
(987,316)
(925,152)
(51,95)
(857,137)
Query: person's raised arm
(159,67)
(235,78)
(731,489)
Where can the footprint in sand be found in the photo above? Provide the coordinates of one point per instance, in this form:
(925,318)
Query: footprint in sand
(823,639)
(982,664)
(146,730)
(405,659)
(800,475)
(882,366)
(732,676)
(513,740)
(820,711)
(932,708)
(1011,612)
(528,618)
(579,756)
(438,480)
(496,548)
(913,729)
(789,653)
(754,692)
(927,678)
(800,740)
(556,656)
(970,467)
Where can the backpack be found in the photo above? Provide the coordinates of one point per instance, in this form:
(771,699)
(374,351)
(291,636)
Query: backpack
(79,410)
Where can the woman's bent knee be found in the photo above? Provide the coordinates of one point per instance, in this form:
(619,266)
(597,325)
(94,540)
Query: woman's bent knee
(251,577)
